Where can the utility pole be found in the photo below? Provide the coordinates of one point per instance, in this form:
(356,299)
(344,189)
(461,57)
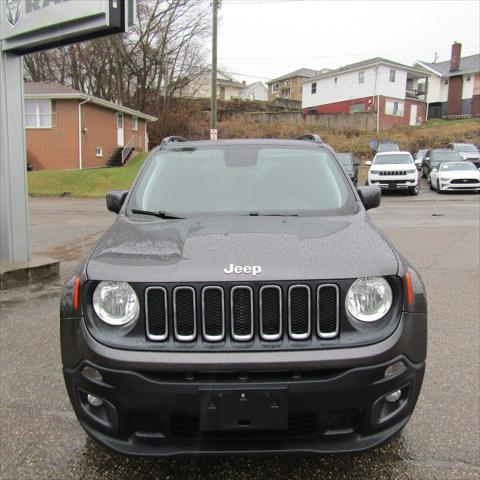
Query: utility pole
(213,105)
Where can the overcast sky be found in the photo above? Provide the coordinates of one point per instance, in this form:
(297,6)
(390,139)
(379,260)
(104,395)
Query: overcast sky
(263,39)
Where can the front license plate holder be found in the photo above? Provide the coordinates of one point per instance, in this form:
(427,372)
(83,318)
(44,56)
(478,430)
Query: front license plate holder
(243,409)
(392,186)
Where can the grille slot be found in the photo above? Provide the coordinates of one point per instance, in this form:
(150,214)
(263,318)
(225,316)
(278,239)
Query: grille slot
(156,313)
(184,313)
(464,180)
(327,311)
(392,173)
(271,312)
(299,312)
(241,303)
(213,314)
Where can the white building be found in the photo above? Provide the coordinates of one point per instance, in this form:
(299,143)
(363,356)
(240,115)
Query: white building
(389,89)
(255,91)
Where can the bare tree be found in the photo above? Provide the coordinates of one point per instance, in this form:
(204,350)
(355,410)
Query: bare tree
(143,68)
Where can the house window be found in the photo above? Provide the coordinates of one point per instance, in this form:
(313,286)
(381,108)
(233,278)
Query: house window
(38,113)
(314,87)
(394,108)
(99,151)
(392,75)
(287,83)
(361,77)
(468,78)
(286,93)
(335,80)
(275,88)
(445,82)
(357,108)
(135,124)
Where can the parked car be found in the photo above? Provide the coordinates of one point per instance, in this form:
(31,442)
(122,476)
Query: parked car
(350,165)
(223,311)
(419,157)
(394,171)
(468,151)
(435,157)
(455,176)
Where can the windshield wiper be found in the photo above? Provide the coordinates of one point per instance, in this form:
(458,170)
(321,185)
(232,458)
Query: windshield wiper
(159,214)
(261,214)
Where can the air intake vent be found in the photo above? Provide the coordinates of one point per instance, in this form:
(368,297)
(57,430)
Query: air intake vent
(327,310)
(213,313)
(184,313)
(299,312)
(242,313)
(156,313)
(271,312)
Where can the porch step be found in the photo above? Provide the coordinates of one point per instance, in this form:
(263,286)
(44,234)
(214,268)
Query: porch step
(115,159)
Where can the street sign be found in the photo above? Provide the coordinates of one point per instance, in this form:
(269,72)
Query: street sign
(30,25)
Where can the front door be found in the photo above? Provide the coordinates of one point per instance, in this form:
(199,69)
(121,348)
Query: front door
(413,115)
(120,141)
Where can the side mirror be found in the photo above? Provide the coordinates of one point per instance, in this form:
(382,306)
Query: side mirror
(368,162)
(370,196)
(434,169)
(115,199)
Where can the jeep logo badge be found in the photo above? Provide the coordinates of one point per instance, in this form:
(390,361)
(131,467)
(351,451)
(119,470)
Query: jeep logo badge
(253,269)
(13,11)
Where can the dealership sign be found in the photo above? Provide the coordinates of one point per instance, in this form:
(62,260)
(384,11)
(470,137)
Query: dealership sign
(30,25)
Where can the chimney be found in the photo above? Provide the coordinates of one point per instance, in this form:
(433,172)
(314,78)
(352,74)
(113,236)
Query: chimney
(455,58)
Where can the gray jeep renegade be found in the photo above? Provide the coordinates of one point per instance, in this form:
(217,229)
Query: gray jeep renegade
(243,302)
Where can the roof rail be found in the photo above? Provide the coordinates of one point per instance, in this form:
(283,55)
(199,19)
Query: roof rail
(312,137)
(172,139)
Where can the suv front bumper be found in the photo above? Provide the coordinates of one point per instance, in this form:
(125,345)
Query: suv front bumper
(153,408)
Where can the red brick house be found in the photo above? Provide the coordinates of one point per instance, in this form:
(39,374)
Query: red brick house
(67,129)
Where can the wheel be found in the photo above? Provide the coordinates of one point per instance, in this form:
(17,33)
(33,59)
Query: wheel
(438,187)
(414,190)
(430,185)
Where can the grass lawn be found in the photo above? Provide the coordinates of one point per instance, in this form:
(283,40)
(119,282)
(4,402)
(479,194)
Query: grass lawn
(93,182)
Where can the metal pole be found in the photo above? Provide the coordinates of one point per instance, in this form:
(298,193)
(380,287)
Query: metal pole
(14,245)
(213,105)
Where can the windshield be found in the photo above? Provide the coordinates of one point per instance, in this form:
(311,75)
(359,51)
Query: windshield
(388,147)
(421,154)
(465,147)
(396,158)
(243,179)
(448,167)
(345,159)
(445,157)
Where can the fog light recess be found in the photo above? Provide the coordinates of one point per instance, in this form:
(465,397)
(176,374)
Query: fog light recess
(394,396)
(94,401)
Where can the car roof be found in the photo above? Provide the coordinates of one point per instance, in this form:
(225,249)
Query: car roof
(440,150)
(392,153)
(244,141)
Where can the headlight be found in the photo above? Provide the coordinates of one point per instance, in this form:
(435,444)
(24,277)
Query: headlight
(116,303)
(411,171)
(374,172)
(369,299)
(445,179)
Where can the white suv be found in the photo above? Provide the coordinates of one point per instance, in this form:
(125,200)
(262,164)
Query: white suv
(394,171)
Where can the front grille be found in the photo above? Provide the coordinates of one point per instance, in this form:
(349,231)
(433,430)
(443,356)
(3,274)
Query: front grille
(392,173)
(184,313)
(299,312)
(327,311)
(464,180)
(242,313)
(271,312)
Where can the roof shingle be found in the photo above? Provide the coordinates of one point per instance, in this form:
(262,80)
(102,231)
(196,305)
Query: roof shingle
(47,88)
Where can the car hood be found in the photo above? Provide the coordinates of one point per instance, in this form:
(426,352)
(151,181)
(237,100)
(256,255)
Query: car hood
(461,174)
(199,249)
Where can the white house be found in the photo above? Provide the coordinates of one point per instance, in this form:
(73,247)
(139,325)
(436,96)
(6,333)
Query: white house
(200,87)
(255,91)
(453,85)
(389,89)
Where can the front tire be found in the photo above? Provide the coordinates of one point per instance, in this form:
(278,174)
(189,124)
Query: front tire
(414,190)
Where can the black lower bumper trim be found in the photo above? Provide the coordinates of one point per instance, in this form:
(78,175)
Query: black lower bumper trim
(317,413)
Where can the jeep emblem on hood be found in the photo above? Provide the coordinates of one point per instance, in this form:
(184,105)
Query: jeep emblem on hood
(254,269)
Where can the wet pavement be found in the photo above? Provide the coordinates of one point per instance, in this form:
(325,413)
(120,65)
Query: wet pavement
(41,439)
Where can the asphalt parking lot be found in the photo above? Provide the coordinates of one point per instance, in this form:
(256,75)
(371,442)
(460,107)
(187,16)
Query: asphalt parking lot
(41,439)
